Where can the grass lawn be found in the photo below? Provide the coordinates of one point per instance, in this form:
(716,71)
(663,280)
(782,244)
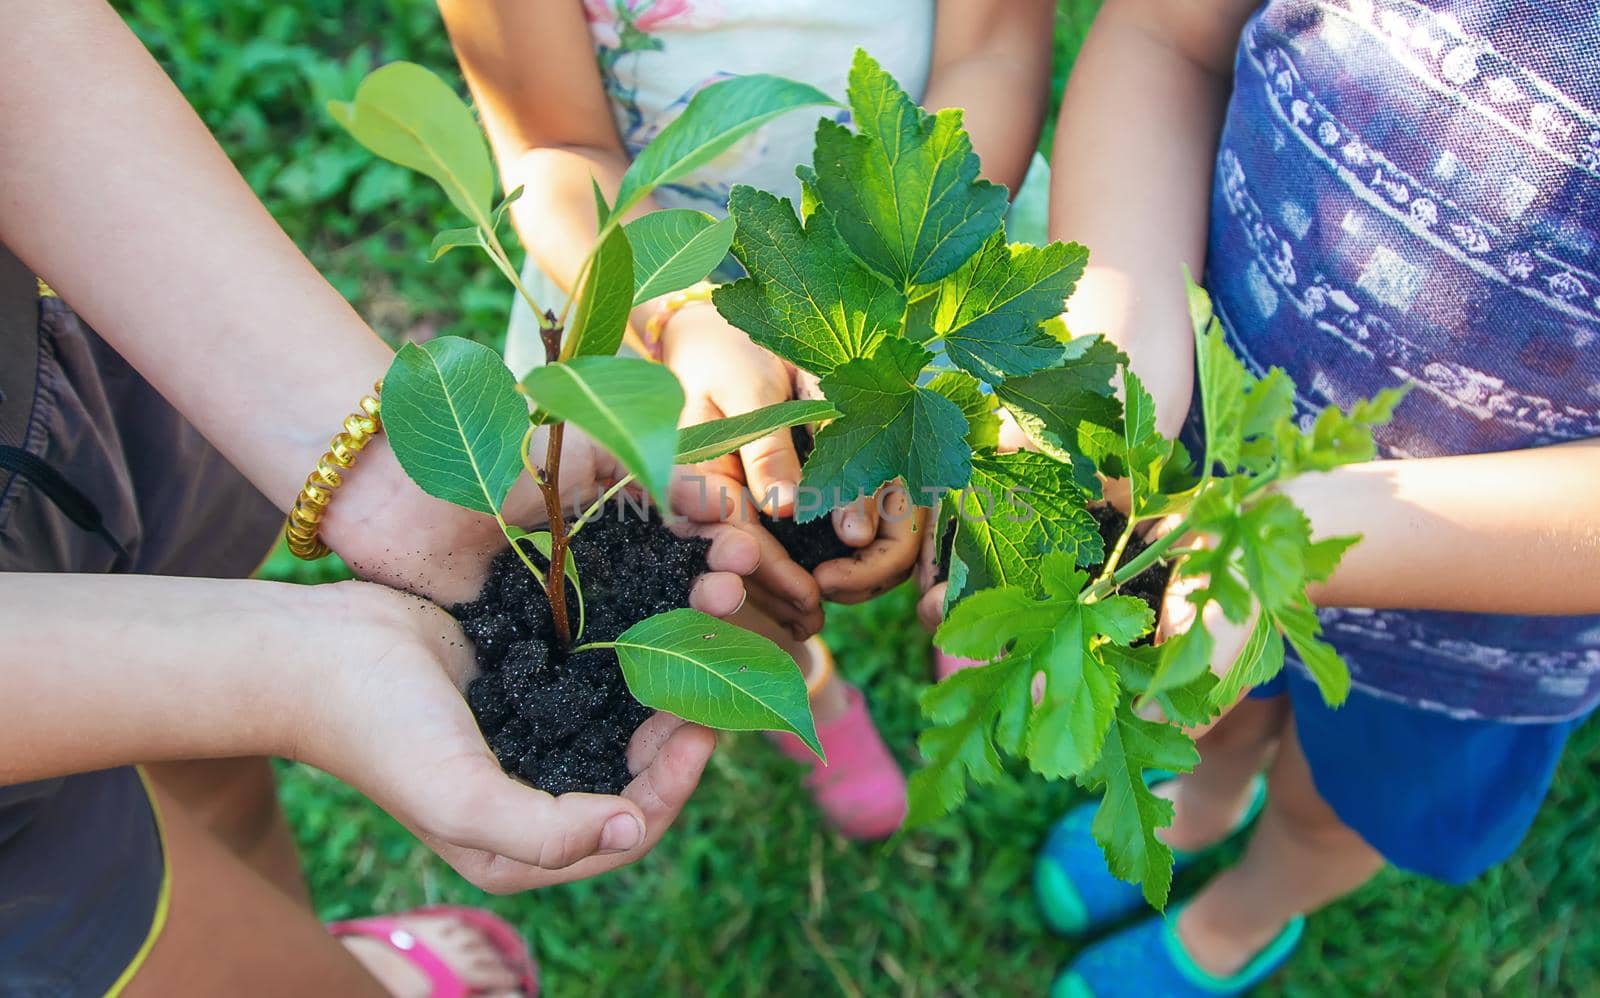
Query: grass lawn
(750,893)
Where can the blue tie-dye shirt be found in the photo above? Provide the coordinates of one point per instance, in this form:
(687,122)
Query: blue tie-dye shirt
(1411,191)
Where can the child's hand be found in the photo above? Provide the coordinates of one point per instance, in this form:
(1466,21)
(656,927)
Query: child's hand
(724,374)
(390,720)
(889,531)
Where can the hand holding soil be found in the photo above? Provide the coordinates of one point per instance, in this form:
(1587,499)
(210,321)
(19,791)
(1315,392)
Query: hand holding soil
(391,721)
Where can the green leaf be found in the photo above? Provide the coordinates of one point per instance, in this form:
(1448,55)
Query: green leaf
(1080,693)
(889,428)
(1259,661)
(983,423)
(959,743)
(629,406)
(604,301)
(807,299)
(673,249)
(1129,815)
(1144,452)
(1016,509)
(407,115)
(450,239)
(1188,704)
(1337,439)
(714,120)
(1183,658)
(710,672)
(1071,412)
(985,624)
(905,190)
(1223,381)
(455,421)
(1300,625)
(713,439)
(991,311)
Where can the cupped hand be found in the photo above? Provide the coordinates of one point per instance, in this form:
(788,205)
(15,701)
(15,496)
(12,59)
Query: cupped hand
(723,374)
(888,531)
(389,719)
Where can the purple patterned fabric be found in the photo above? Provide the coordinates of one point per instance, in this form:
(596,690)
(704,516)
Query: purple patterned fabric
(1411,191)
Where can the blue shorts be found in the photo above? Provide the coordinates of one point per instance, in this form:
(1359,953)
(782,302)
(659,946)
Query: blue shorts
(1434,795)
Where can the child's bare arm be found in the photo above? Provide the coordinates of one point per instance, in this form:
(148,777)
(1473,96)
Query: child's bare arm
(362,681)
(1132,176)
(1513,532)
(533,75)
(992,58)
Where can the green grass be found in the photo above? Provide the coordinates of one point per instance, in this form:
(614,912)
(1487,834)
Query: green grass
(750,893)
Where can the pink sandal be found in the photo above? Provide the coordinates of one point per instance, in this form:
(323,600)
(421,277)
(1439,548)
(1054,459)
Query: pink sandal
(446,982)
(861,789)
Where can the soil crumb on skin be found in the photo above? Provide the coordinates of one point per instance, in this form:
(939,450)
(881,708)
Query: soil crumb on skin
(562,721)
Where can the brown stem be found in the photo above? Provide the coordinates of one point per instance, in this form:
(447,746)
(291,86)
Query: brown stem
(555,580)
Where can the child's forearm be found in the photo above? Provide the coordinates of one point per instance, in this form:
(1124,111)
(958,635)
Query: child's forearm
(100,671)
(1131,178)
(116,194)
(992,58)
(1514,532)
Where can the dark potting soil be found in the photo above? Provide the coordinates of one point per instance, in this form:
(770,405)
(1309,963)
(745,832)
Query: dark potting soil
(1149,585)
(562,721)
(809,544)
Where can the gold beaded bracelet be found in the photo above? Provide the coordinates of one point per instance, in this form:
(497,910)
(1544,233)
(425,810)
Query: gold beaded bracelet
(306,517)
(657,323)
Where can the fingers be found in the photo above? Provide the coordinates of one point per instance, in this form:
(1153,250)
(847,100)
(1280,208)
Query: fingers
(718,593)
(884,563)
(930,608)
(486,811)
(772,470)
(700,495)
(857,523)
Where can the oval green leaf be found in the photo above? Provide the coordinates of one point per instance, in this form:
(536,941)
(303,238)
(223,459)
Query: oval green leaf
(724,436)
(673,249)
(629,406)
(715,119)
(710,672)
(604,301)
(455,420)
(410,116)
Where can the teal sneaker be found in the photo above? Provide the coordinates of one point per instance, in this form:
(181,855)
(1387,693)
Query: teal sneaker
(1148,960)
(1077,892)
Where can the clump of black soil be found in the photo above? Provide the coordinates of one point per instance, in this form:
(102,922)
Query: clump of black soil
(558,720)
(812,543)
(1149,585)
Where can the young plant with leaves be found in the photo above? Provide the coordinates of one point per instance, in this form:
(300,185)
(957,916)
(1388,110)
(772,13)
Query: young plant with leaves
(894,284)
(465,430)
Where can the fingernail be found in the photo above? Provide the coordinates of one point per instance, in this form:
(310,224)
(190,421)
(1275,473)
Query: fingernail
(621,833)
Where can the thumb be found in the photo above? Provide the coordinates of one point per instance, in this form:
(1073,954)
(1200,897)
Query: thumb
(491,812)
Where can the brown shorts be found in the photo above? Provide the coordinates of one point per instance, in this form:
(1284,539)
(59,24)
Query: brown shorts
(97,474)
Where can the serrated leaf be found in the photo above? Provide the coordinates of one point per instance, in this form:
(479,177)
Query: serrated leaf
(455,421)
(1183,658)
(1016,509)
(985,624)
(1130,814)
(712,439)
(407,115)
(991,311)
(958,745)
(1301,627)
(889,427)
(807,299)
(603,302)
(714,120)
(1223,381)
(1069,726)
(710,672)
(983,423)
(1071,412)
(1189,704)
(673,249)
(905,190)
(628,406)
(1259,661)
(1144,451)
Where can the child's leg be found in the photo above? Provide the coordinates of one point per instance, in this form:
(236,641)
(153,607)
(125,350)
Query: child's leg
(236,801)
(1207,802)
(230,931)
(1300,858)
